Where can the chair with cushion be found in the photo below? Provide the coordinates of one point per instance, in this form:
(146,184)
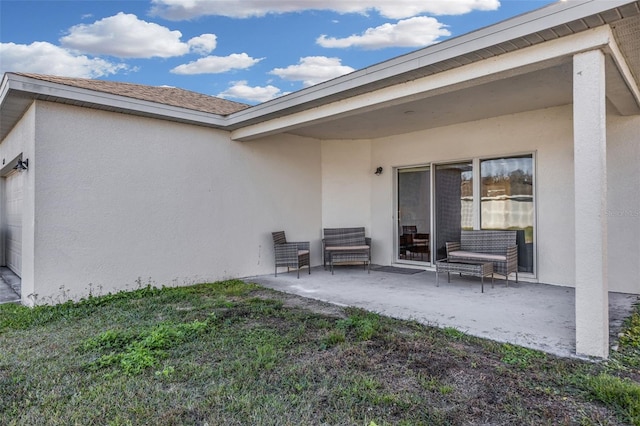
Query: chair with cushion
(290,254)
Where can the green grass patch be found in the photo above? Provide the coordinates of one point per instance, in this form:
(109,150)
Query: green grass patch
(454,333)
(628,354)
(519,356)
(133,352)
(335,337)
(631,336)
(621,394)
(363,325)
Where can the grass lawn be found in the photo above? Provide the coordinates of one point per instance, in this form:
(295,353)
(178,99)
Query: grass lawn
(232,353)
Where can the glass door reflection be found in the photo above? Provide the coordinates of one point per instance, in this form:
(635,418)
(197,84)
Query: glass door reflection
(507,197)
(454,203)
(414,214)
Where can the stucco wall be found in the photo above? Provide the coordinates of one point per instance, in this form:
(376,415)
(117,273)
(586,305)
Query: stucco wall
(548,134)
(507,135)
(346,184)
(623,203)
(21,140)
(122,199)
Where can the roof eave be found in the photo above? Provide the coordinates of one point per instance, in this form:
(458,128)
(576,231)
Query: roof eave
(546,18)
(17,86)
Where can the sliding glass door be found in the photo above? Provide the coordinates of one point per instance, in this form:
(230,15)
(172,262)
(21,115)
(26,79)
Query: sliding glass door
(414,214)
(507,201)
(435,202)
(454,203)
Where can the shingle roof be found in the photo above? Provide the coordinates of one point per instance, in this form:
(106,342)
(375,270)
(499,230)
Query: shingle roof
(164,95)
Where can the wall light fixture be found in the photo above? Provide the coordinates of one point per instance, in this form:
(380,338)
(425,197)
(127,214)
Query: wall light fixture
(22,165)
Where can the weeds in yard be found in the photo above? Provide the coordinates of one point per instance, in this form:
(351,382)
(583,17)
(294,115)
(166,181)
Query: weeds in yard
(363,324)
(631,336)
(520,356)
(22,317)
(166,372)
(134,352)
(434,385)
(454,333)
(334,337)
(621,394)
(628,353)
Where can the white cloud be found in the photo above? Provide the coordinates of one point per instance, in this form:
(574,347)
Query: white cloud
(394,9)
(217,64)
(125,36)
(240,90)
(412,32)
(203,44)
(313,70)
(45,58)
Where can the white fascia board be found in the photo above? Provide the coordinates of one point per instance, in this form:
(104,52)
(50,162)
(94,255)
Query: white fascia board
(87,96)
(558,13)
(4,89)
(628,84)
(491,69)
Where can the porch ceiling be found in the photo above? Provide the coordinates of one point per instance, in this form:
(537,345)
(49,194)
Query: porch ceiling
(534,90)
(541,88)
(530,85)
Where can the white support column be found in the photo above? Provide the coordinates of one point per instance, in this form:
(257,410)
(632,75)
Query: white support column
(590,172)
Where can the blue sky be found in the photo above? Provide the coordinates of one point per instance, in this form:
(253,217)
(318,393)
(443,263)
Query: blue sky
(244,50)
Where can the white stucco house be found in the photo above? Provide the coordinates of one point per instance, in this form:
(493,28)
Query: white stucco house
(530,124)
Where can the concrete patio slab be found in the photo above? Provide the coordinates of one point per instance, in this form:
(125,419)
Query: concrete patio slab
(537,316)
(9,286)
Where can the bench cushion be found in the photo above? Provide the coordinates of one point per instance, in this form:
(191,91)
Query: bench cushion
(461,254)
(344,248)
(349,256)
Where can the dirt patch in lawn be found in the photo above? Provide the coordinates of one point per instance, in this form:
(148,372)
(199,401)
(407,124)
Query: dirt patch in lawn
(460,380)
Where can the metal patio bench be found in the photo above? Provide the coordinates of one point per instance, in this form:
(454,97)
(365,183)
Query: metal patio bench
(346,245)
(498,247)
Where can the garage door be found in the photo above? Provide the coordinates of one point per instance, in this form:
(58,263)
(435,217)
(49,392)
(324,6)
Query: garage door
(13,222)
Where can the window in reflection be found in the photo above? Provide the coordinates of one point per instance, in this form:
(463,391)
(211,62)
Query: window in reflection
(507,193)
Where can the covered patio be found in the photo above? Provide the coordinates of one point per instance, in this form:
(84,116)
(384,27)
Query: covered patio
(556,87)
(533,315)
(532,118)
